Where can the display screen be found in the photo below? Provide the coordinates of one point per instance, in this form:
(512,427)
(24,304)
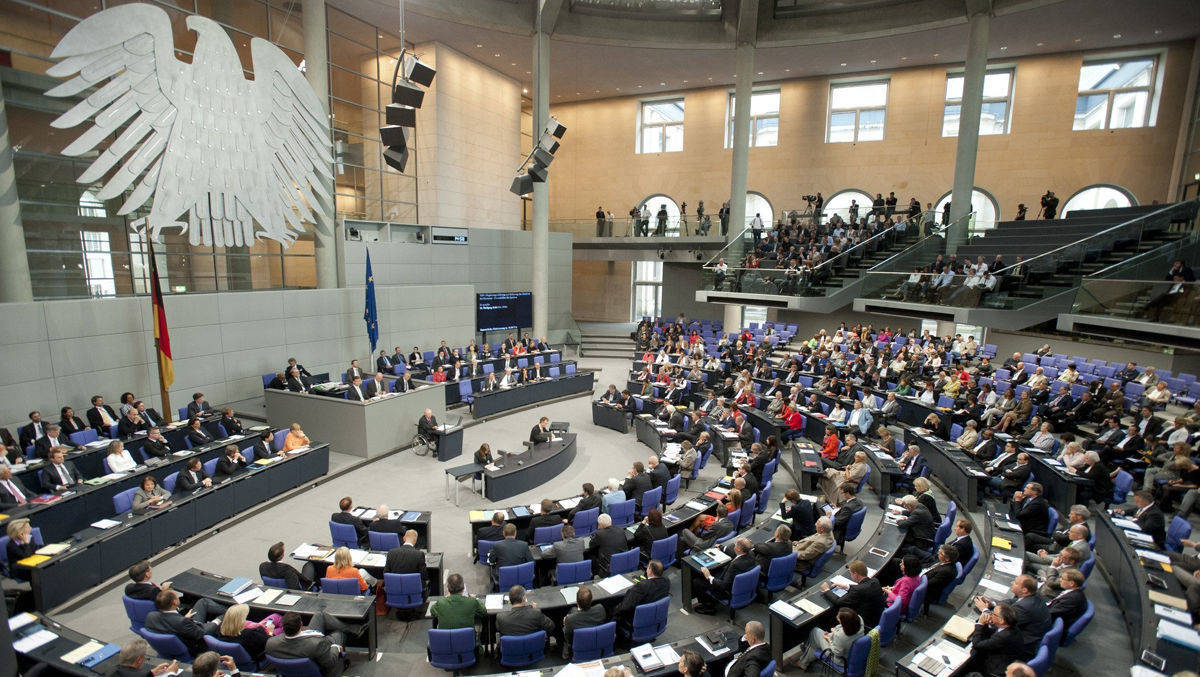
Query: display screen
(503,311)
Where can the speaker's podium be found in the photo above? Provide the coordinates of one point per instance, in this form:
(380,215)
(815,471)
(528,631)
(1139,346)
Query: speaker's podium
(449,441)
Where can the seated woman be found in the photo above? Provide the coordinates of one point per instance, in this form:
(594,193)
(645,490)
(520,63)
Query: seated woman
(296,439)
(910,578)
(651,529)
(1014,418)
(831,444)
(118,459)
(933,423)
(20,545)
(687,458)
(252,636)
(1044,438)
(483,455)
(150,496)
(838,413)
(342,568)
(836,642)
(969,436)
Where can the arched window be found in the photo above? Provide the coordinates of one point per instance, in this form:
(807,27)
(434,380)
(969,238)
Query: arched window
(1099,196)
(757,204)
(90,205)
(987,212)
(839,203)
(654,203)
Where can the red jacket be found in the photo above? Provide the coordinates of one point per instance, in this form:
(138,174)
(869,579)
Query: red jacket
(830,447)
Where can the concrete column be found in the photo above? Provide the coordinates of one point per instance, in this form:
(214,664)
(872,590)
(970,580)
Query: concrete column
(741,159)
(541,191)
(316,60)
(14,263)
(968,128)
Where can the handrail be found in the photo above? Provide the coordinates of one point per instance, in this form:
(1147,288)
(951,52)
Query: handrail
(937,231)
(721,253)
(846,253)
(1132,261)
(1123,224)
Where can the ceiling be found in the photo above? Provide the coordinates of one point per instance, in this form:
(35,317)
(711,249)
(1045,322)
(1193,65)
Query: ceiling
(597,56)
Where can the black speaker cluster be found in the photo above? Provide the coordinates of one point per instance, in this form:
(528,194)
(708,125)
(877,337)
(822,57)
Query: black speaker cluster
(407,96)
(537,165)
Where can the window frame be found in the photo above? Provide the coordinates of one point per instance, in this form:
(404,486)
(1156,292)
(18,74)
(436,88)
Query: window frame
(1011,69)
(656,285)
(98,270)
(856,82)
(753,118)
(642,125)
(1153,90)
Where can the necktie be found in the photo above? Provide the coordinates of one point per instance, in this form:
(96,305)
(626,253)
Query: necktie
(63,474)
(37,430)
(104,417)
(12,489)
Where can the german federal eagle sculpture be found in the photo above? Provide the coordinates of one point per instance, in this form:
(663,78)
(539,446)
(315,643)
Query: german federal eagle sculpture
(229,160)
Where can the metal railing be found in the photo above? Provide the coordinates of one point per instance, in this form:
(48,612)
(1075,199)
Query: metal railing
(627,226)
(1162,302)
(1153,264)
(959,291)
(918,253)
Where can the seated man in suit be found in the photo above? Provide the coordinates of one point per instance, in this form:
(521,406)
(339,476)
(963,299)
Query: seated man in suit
(650,589)
(323,641)
(292,364)
(231,463)
(427,424)
(132,662)
(941,572)
(355,393)
(605,542)
(297,382)
(196,434)
(659,475)
(457,610)
(1077,538)
(231,424)
(720,588)
(1030,510)
(279,382)
(570,549)
(407,559)
(589,500)
(130,423)
(866,595)
(996,643)
(101,416)
(198,406)
(919,526)
(540,433)
(637,483)
(190,628)
(1148,516)
(850,505)
(1032,616)
(193,478)
(585,615)
(522,618)
(508,552)
(59,474)
(780,545)
(383,522)
(345,516)
(754,654)
(494,531)
(11,492)
(376,386)
(1050,576)
(52,439)
(1071,602)
(33,431)
(1078,514)
(383,362)
(275,567)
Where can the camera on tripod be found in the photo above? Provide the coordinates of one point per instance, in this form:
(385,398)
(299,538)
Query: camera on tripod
(810,199)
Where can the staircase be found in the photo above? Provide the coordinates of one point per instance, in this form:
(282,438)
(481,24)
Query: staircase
(600,343)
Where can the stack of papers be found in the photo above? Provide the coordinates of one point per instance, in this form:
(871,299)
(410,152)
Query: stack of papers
(810,607)
(52,549)
(696,505)
(569,503)
(786,610)
(247,595)
(1126,523)
(994,586)
(1007,565)
(569,593)
(287,600)
(1179,634)
(494,602)
(268,596)
(615,584)
(716,651)
(1172,614)
(105,524)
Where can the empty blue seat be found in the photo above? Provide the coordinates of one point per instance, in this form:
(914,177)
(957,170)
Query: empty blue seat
(624,562)
(572,573)
(1177,530)
(545,535)
(452,649)
(589,644)
(664,549)
(517,574)
(403,591)
(744,589)
(123,501)
(210,467)
(464,391)
(237,652)
(780,572)
(585,521)
(518,651)
(343,535)
(1080,623)
(84,436)
(278,439)
(621,513)
(672,489)
(649,621)
(382,540)
(854,526)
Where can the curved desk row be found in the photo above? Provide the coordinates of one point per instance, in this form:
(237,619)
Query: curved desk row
(505,399)
(422,523)
(65,641)
(532,467)
(961,474)
(95,554)
(373,561)
(609,416)
(79,506)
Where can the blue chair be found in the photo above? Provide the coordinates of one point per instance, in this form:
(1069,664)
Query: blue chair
(482,548)
(343,535)
(279,438)
(137,609)
(951,512)
(1087,566)
(621,513)
(340,586)
(589,644)
(274,582)
(123,501)
(236,651)
(168,647)
(748,508)
(651,499)
(664,549)
(764,499)
(1122,485)
(817,567)
(779,573)
(1041,662)
(517,574)
(769,470)
(555,357)
(1052,522)
(403,591)
(958,574)
(267,378)
(571,573)
(649,621)
(210,467)
(940,535)
(1079,624)
(452,649)
(518,651)
(854,527)
(570,367)
(295,667)
(382,540)
(86,436)
(863,482)
(671,490)
(735,518)
(1177,530)
(967,569)
(917,602)
(545,535)
(744,589)
(768,671)
(889,622)
(465,393)
(856,661)
(1052,638)
(624,562)
(585,522)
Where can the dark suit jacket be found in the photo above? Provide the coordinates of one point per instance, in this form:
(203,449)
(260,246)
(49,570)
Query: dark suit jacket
(41,448)
(1033,620)
(142,591)
(199,437)
(156,448)
(802,519)
(635,486)
(645,535)
(577,620)
(643,592)
(523,620)
(383,364)
(95,421)
(586,503)
(1153,523)
(867,598)
(127,427)
(293,579)
(491,532)
(388,526)
(1015,476)
(659,476)
(356,395)
(723,584)
(71,425)
(765,552)
(538,436)
(1068,606)
(52,479)
(228,468)
(930,503)
(1033,515)
(750,663)
(842,518)
(371,389)
(940,576)
(189,631)
(920,527)
(194,409)
(359,527)
(231,425)
(604,544)
(184,482)
(992,651)
(407,560)
(317,647)
(965,547)
(25,434)
(509,551)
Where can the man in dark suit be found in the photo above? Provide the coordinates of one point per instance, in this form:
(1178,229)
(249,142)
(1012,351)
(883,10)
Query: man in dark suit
(275,567)
(1148,515)
(850,505)
(540,433)
(720,588)
(1030,510)
(383,362)
(543,519)
(866,596)
(585,615)
(58,474)
(231,423)
(262,445)
(133,662)
(198,406)
(636,484)
(323,641)
(780,545)
(522,618)
(919,525)
(190,628)
(650,589)
(155,445)
(376,386)
(427,424)
(606,542)
(749,485)
(130,423)
(659,475)
(404,384)
(296,382)
(53,438)
(415,357)
(300,370)
(383,523)
(753,652)
(996,642)
(960,538)
(231,463)
(344,516)
(28,434)
(1032,617)
(11,493)
(354,370)
(494,531)
(193,478)
(911,464)
(1069,604)
(407,559)
(745,432)
(101,416)
(355,393)
(508,552)
(278,382)
(589,500)
(941,573)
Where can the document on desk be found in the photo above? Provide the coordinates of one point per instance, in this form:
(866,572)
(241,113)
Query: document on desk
(841,580)
(81,652)
(666,653)
(1165,599)
(304,551)
(374,559)
(494,602)
(714,650)
(810,607)
(287,600)
(569,593)
(1151,555)
(786,610)
(1139,537)
(105,524)
(1172,614)
(696,505)
(1179,634)
(356,555)
(994,586)
(570,503)
(1126,523)
(1006,564)
(247,595)
(268,596)
(32,637)
(615,584)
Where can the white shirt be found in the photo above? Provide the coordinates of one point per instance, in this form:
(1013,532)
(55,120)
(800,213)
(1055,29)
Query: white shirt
(756,223)
(121,462)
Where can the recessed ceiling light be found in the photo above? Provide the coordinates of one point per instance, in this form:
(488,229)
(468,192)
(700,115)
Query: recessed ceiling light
(513,63)
(576,93)
(479,44)
(843,63)
(937,54)
(618,89)
(524,90)
(685,82)
(1116,36)
(873,60)
(597,91)
(1004,47)
(760,72)
(662,84)
(1040,44)
(787,70)
(497,55)
(904,58)
(1158,31)
(1078,39)
(526,72)
(639,86)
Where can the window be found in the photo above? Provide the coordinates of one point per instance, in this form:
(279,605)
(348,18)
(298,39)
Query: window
(993,118)
(97,263)
(764,119)
(647,289)
(139,261)
(839,203)
(90,205)
(984,208)
(756,314)
(656,202)
(757,204)
(660,126)
(1115,94)
(857,111)
(1098,197)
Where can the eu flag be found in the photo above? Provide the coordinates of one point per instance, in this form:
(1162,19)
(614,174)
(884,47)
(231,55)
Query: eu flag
(371,313)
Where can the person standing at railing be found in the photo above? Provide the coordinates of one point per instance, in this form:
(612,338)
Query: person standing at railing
(930,219)
(723,215)
(756,228)
(852,213)
(1049,205)
(599,221)
(720,271)
(608,224)
(1022,210)
(660,228)
(644,221)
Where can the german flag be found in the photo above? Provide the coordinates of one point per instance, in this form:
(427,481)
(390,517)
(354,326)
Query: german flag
(162,337)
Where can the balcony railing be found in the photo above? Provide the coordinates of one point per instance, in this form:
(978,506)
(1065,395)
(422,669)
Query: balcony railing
(1162,302)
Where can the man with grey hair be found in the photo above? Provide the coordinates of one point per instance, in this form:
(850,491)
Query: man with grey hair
(754,653)
(808,549)
(132,661)
(1079,514)
(606,542)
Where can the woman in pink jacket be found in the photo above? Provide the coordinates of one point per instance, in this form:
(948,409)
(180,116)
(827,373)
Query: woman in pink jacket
(909,579)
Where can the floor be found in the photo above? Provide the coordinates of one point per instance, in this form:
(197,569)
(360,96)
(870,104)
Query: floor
(404,481)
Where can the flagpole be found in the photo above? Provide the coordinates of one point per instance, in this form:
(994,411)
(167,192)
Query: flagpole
(156,301)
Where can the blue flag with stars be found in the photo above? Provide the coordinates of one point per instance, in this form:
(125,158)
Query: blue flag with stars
(371,313)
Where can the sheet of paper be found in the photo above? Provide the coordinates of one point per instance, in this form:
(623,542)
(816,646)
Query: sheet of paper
(494,602)
(696,505)
(1126,523)
(666,653)
(786,610)
(1008,565)
(569,593)
(716,651)
(1180,634)
(268,596)
(79,653)
(247,595)
(1172,614)
(1139,537)
(615,584)
(287,600)
(374,559)
(842,580)
(105,524)
(1168,600)
(569,503)
(1143,671)
(33,641)
(21,620)
(810,607)
(994,586)
(1151,555)
(52,548)
(305,550)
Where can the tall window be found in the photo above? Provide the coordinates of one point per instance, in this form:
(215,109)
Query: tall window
(657,202)
(993,118)
(756,314)
(839,203)
(647,289)
(1115,94)
(764,119)
(660,126)
(97,263)
(857,111)
(757,204)
(985,212)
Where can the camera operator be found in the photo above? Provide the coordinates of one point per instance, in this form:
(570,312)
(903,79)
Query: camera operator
(1049,205)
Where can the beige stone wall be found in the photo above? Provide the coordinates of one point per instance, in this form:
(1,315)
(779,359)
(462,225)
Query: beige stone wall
(597,163)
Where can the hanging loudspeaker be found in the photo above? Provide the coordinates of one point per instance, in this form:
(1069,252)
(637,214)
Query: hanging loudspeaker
(401,115)
(548,143)
(541,158)
(394,135)
(420,72)
(538,174)
(555,128)
(396,158)
(522,184)
(407,94)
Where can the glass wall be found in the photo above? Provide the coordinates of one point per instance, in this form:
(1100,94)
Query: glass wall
(79,246)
